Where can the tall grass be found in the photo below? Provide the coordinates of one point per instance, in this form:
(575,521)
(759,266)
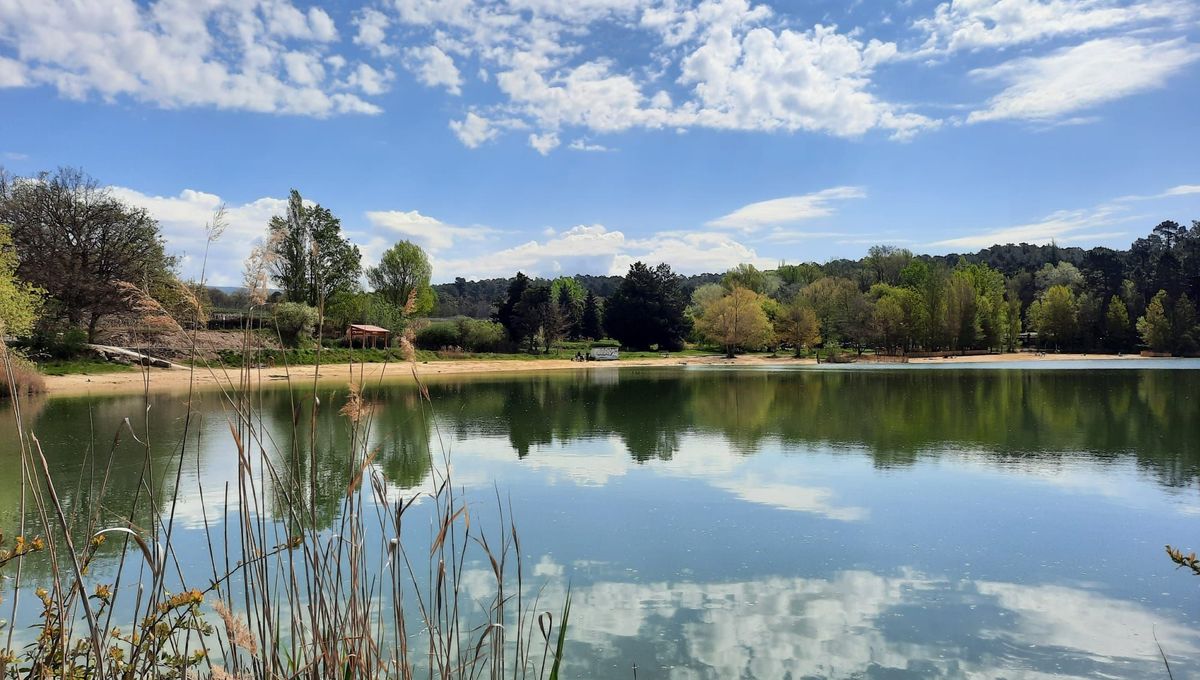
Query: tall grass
(284,598)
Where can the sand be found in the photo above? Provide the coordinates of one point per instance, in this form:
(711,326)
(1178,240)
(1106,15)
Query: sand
(176,380)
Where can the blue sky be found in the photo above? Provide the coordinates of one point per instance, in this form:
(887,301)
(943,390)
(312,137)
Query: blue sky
(576,137)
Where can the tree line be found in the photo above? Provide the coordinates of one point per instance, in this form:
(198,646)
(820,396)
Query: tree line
(891,300)
(74,256)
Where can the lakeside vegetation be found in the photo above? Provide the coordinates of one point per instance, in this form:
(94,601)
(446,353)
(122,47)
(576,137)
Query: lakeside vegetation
(79,266)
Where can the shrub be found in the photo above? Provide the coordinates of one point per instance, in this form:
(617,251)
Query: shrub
(477,335)
(438,335)
(24,378)
(294,321)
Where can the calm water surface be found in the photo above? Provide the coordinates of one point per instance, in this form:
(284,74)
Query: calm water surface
(890,522)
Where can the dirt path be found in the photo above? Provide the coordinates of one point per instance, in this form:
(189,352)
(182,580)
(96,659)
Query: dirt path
(177,380)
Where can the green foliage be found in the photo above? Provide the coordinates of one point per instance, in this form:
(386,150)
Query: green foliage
(20,302)
(403,272)
(83,367)
(751,278)
(1155,327)
(1184,327)
(736,321)
(1062,274)
(798,326)
(312,260)
(1116,324)
(471,335)
(589,324)
(1055,317)
(295,322)
(648,308)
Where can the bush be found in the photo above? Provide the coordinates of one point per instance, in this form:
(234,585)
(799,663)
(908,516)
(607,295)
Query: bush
(471,335)
(294,321)
(25,377)
(438,335)
(57,342)
(482,336)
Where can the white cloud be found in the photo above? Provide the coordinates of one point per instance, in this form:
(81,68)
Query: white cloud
(584,145)
(787,210)
(595,249)
(182,219)
(429,232)
(15,156)
(372,31)
(250,55)
(474,130)
(851,624)
(368,80)
(977,24)
(1182,190)
(544,143)
(1063,226)
(1073,78)
(435,68)
(713,64)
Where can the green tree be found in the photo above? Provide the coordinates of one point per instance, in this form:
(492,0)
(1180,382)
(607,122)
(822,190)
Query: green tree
(569,295)
(505,314)
(888,319)
(538,318)
(886,263)
(402,274)
(735,321)
(648,308)
(78,242)
(750,277)
(1155,326)
(20,302)
(1116,324)
(1054,317)
(311,259)
(961,311)
(589,325)
(1012,322)
(294,321)
(1184,325)
(798,326)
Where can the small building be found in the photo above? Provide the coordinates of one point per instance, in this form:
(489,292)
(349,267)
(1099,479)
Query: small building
(605,353)
(368,335)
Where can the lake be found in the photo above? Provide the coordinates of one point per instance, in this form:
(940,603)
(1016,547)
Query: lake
(881,522)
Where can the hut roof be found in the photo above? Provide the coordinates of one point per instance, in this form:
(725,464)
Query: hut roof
(367,328)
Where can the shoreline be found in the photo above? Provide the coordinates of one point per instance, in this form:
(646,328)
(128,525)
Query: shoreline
(176,380)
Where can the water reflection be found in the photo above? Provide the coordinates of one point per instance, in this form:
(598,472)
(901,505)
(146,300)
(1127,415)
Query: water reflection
(858,623)
(899,523)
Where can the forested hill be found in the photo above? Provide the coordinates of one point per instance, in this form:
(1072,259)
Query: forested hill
(479,299)
(1103,269)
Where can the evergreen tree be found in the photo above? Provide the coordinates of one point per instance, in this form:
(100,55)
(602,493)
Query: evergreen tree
(589,324)
(505,313)
(647,309)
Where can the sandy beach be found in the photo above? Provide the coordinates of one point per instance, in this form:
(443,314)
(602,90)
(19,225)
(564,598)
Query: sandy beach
(175,380)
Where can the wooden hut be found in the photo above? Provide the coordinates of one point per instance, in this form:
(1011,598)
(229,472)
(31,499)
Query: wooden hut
(368,335)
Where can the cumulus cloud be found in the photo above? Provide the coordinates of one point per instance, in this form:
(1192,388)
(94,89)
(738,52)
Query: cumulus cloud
(182,219)
(474,130)
(595,249)
(435,68)
(787,210)
(253,55)
(1083,76)
(712,64)
(429,232)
